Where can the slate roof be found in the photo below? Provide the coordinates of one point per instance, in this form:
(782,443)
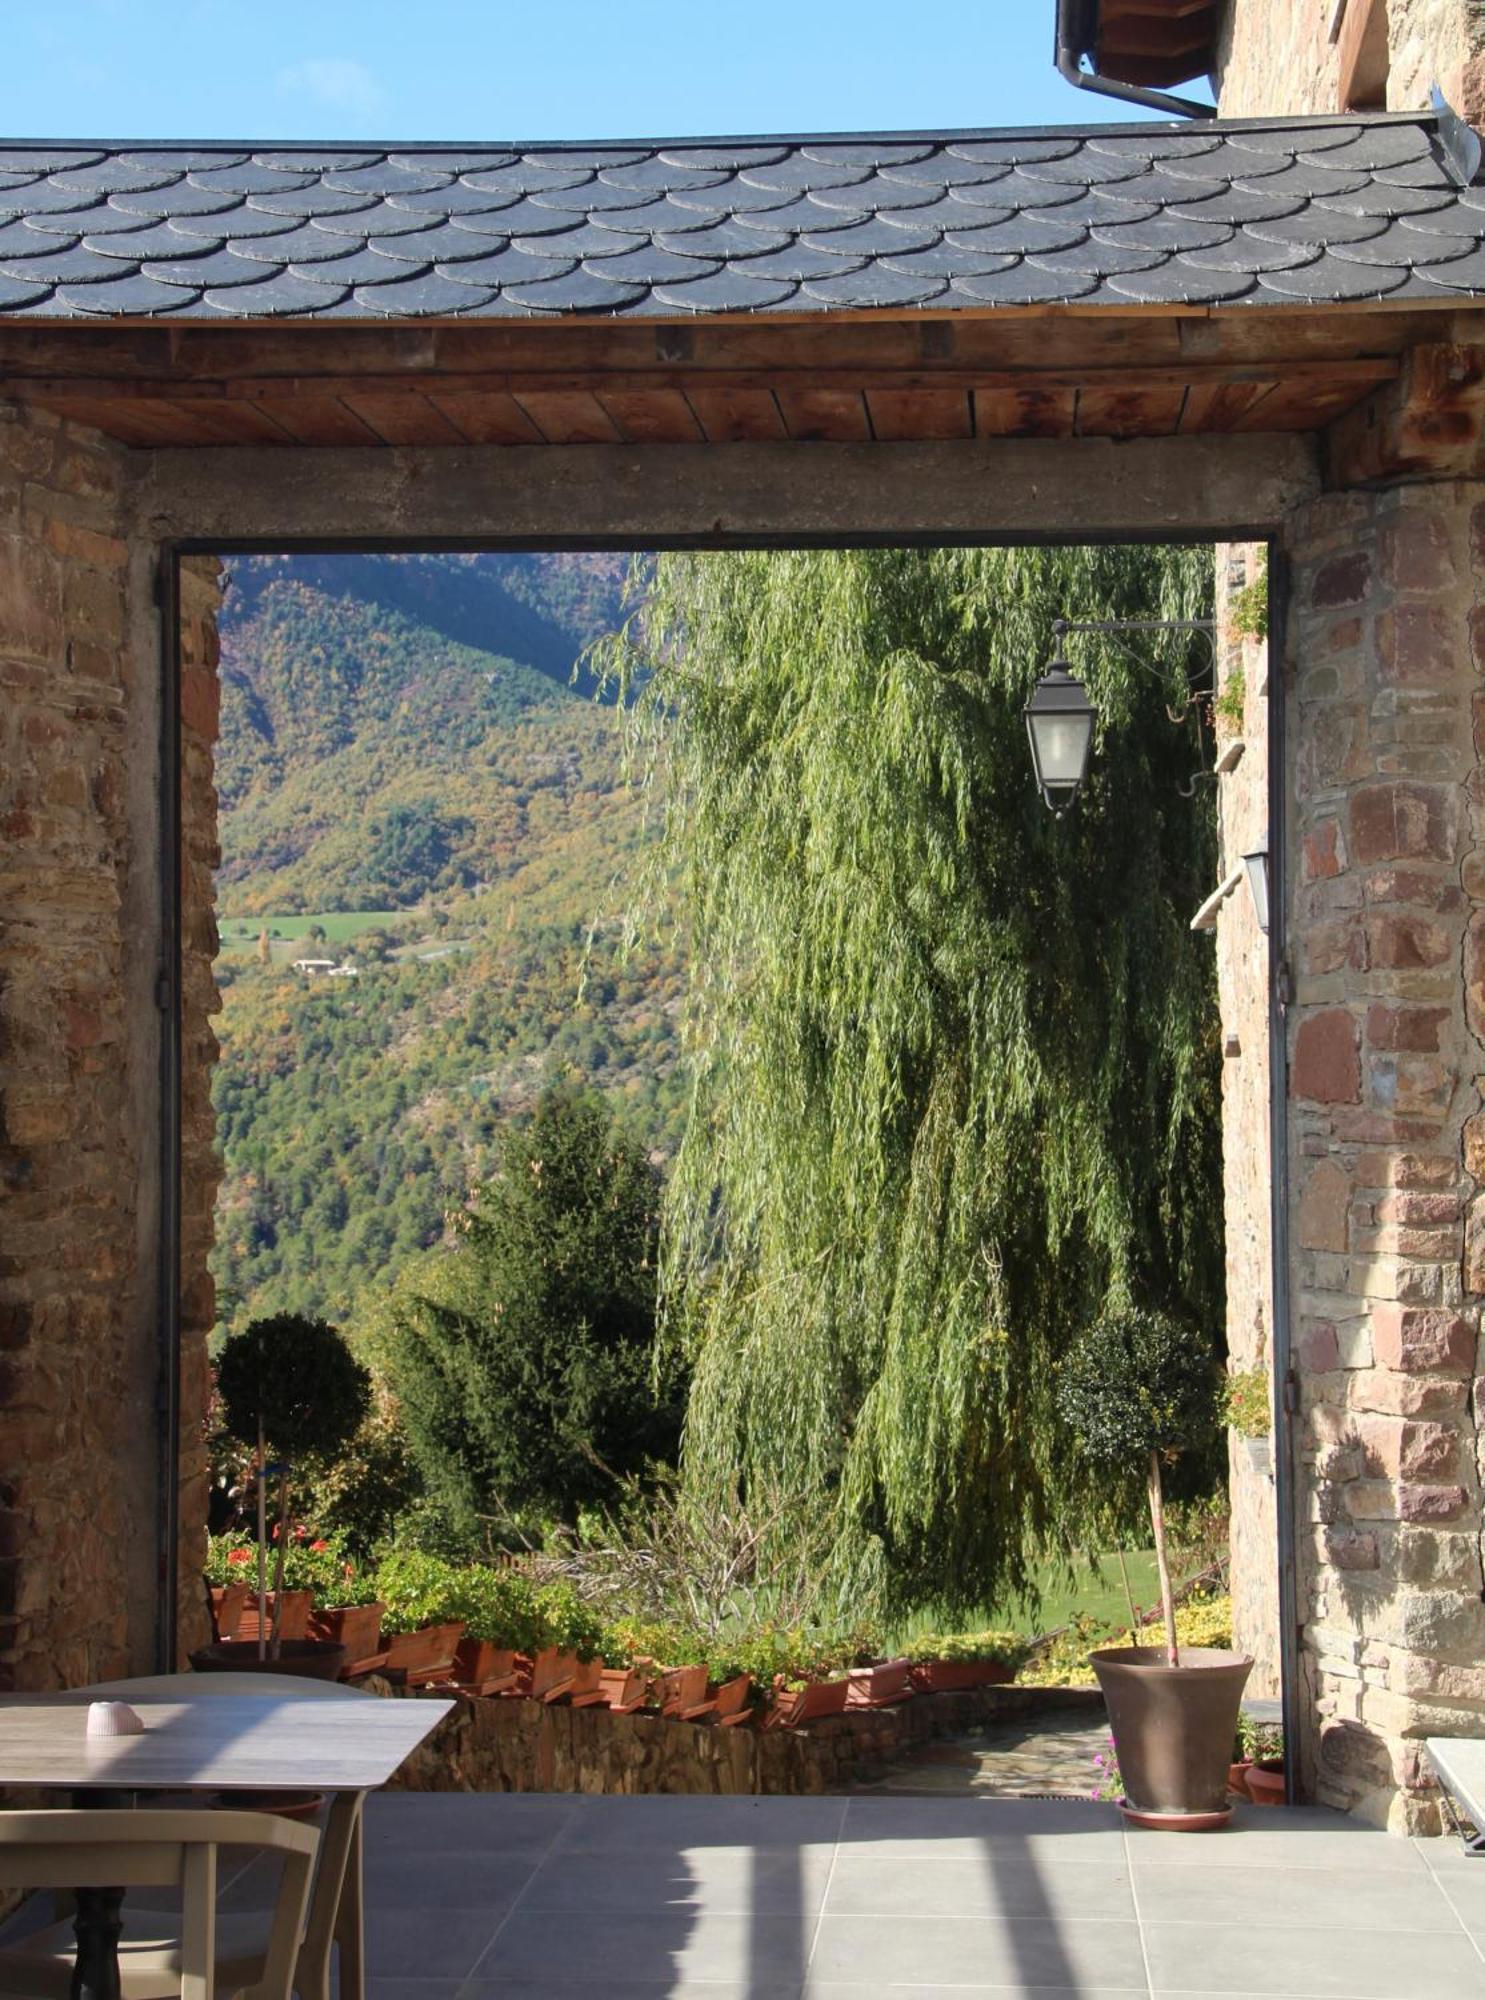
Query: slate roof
(1271,212)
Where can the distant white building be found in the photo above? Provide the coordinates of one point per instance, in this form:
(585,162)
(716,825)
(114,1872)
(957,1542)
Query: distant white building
(313,968)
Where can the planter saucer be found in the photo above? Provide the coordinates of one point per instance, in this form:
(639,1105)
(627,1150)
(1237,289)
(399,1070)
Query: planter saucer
(1177,1822)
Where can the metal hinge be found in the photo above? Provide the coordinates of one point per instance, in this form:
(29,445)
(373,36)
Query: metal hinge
(164,993)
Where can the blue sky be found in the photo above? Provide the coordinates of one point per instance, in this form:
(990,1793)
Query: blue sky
(538,69)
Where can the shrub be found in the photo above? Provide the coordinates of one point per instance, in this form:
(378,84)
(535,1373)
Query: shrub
(1006,1649)
(1245,1403)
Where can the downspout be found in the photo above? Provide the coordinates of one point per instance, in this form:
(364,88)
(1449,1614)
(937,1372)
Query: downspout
(168,1002)
(1279,990)
(1076,25)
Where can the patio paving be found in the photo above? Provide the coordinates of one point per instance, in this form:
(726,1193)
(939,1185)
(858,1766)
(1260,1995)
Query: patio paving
(511,1898)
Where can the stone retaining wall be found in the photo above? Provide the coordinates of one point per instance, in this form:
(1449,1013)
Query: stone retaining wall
(494,1745)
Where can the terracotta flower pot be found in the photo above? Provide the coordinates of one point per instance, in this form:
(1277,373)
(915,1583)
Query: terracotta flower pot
(298,1604)
(228,1602)
(1237,1777)
(879,1686)
(954,1676)
(793,1706)
(357,1627)
(1266,1782)
(310,1659)
(1173,1729)
(731,1700)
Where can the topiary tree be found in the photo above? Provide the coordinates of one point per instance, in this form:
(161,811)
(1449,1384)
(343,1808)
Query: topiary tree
(290,1386)
(1138,1388)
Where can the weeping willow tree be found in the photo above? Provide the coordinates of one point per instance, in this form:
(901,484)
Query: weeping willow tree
(954,1063)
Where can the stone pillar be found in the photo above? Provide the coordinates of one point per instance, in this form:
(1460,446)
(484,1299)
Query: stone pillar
(1386,889)
(79,1052)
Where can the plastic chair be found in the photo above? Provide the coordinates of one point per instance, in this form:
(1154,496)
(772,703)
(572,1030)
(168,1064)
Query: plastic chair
(335,1906)
(192,1954)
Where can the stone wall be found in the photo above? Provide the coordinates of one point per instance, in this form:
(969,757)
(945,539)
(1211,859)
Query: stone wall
(496,1745)
(79,1041)
(1387,890)
(1242,992)
(1277,57)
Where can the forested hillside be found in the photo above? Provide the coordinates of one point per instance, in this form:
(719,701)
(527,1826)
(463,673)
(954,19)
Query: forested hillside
(413,786)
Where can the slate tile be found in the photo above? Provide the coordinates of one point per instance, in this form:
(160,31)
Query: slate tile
(46,198)
(129,293)
(1012,152)
(357,267)
(1084,169)
(16,292)
(727,238)
(20,180)
(184,159)
(247,177)
(726,291)
(1243,163)
(1240,204)
(383,220)
(947,260)
(1169,233)
(1462,274)
(946,170)
(447,242)
(1100,258)
(317,160)
(388,177)
(800,175)
(803,260)
(585,239)
(878,285)
(1375,199)
(1026,285)
(19,238)
(1245,252)
(649,264)
(316,199)
(46,159)
(275,297)
(525,177)
(581,290)
(469,159)
(105,220)
(1332,278)
(298,243)
(808,214)
(865,153)
(180,199)
(421,296)
(1307,177)
(1042,230)
(598,196)
(456,199)
(595,158)
(1306,226)
(1288,135)
(529,217)
(1180,142)
(879,237)
(1161,187)
(877,192)
(660,175)
(247,222)
(509,265)
(1401,243)
(1418,173)
(156,239)
(115,176)
(1179,283)
(1374,146)
(219,268)
(735,156)
(1101,207)
(78,266)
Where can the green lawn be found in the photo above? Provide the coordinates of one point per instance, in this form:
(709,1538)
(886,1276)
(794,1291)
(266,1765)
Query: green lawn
(241,934)
(1097,1592)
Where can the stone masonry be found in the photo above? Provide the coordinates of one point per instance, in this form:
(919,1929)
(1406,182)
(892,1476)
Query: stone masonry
(1282,57)
(1387,890)
(79,958)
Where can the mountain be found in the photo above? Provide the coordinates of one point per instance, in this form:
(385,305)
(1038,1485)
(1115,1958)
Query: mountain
(414,785)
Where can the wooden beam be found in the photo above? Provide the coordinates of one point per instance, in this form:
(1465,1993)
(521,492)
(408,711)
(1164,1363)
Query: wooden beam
(641,496)
(1428,424)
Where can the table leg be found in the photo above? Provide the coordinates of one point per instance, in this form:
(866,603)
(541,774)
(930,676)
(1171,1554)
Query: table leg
(335,1907)
(98,1921)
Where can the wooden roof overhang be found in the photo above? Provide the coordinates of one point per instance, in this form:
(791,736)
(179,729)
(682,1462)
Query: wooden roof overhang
(1062,371)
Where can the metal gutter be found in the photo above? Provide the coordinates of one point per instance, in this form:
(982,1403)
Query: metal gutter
(168,1003)
(1077,36)
(1286,1384)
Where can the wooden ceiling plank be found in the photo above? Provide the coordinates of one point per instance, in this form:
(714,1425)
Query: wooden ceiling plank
(404,418)
(316,420)
(1305,406)
(831,416)
(651,416)
(1126,413)
(920,413)
(485,417)
(736,416)
(1024,413)
(565,417)
(1217,406)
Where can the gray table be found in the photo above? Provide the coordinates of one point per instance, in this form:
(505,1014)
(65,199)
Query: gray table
(248,1743)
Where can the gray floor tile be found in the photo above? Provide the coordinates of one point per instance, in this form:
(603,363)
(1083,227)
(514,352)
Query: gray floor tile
(834,1989)
(1254,1958)
(867,1883)
(959,1951)
(427,1944)
(1283,1837)
(727,1881)
(472,1878)
(679,1824)
(1465,1894)
(627,1989)
(877,1819)
(1312,1898)
(649,1947)
(412,1989)
(437,1822)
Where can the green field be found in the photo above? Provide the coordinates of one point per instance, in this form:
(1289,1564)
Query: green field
(1091,1592)
(241,934)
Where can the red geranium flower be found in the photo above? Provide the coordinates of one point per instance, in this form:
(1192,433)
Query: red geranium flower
(315,1547)
(239,1555)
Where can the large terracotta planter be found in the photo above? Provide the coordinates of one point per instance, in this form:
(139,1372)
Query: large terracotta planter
(1173,1730)
(730,1700)
(1266,1782)
(310,1659)
(357,1627)
(880,1686)
(228,1602)
(955,1676)
(482,1668)
(298,1604)
(793,1706)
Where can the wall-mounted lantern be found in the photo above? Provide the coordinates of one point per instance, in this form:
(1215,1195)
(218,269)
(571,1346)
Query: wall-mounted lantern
(1256,864)
(1059,721)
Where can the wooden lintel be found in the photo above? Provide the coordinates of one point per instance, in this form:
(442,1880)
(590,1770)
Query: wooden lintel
(642,496)
(1358,373)
(1427,424)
